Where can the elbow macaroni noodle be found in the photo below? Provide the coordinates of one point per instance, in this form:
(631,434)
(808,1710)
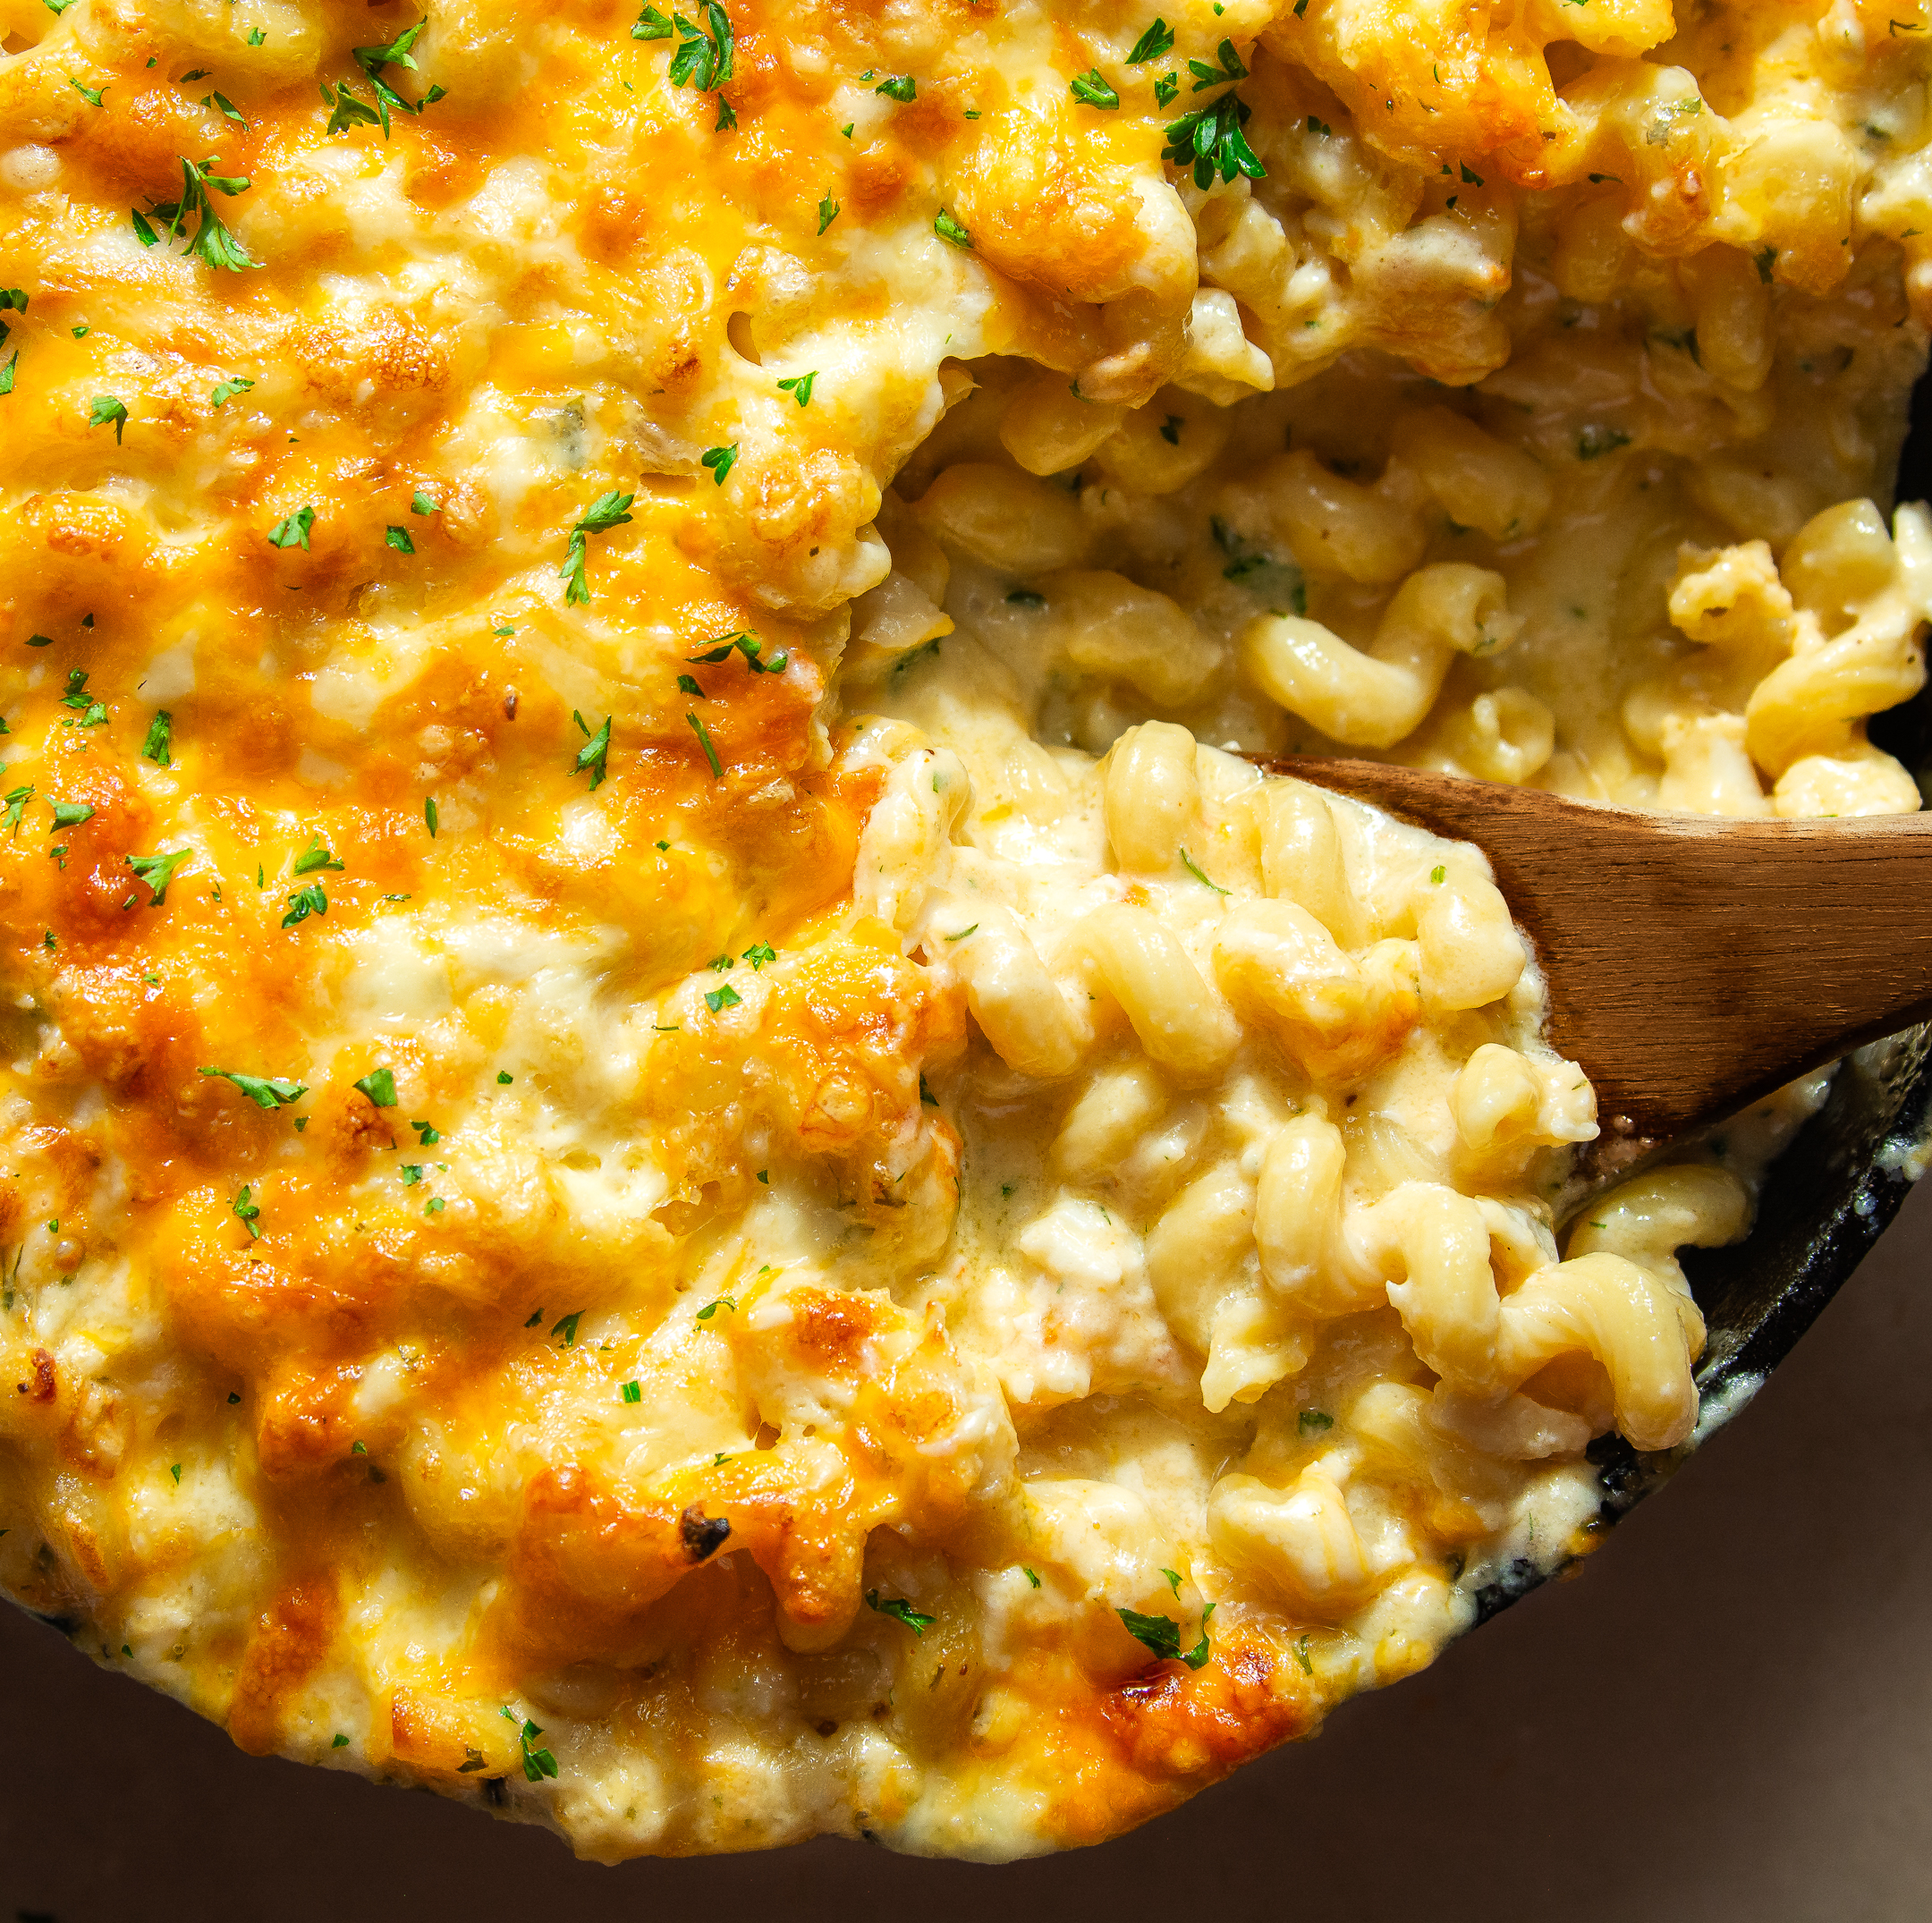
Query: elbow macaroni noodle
(901,1242)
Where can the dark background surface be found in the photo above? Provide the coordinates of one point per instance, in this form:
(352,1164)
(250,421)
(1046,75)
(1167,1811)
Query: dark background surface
(1726,1716)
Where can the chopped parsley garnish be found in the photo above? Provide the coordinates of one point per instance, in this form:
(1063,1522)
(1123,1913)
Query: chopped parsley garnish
(256,36)
(688,684)
(1030,1576)
(399,540)
(900,1611)
(427,1133)
(720,998)
(17,800)
(1173,1579)
(1439,873)
(608,511)
(411,1174)
(504,1077)
(800,386)
(429,815)
(711,1309)
(420,504)
(1314,1421)
(1210,139)
(293,532)
(249,1212)
(226,390)
(108,410)
(175,1469)
(433,1206)
(904,87)
(6,372)
(350,112)
(537,1763)
(704,741)
(156,870)
(304,902)
(212,242)
(266,1091)
(1231,69)
(566,1327)
(1187,861)
(92,713)
(1091,89)
(721,461)
(1302,1655)
(746,644)
(631,1392)
(703,58)
(949,229)
(1156,40)
(315,856)
(91,94)
(72,814)
(379,1086)
(758,954)
(828,211)
(595,752)
(1161,1635)
(225,107)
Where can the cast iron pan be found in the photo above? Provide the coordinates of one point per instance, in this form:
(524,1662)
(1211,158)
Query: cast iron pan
(1830,1196)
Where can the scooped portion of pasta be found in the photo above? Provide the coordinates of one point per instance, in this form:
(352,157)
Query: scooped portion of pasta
(691,1147)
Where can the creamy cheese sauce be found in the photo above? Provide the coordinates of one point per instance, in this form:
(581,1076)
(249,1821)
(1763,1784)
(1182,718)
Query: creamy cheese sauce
(687,1145)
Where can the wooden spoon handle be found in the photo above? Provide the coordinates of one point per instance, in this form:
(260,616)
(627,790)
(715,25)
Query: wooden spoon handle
(1694,964)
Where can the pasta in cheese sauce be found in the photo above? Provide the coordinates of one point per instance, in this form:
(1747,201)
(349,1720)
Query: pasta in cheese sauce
(689,1145)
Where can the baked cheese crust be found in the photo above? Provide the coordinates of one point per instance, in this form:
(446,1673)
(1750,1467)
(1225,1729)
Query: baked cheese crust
(686,1146)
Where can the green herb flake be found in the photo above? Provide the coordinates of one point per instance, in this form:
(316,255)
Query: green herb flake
(828,211)
(720,460)
(504,1077)
(1595,442)
(72,814)
(379,1086)
(949,229)
(212,242)
(1156,40)
(1187,862)
(399,540)
(800,386)
(903,88)
(1090,89)
(1210,140)
(593,756)
(175,1469)
(566,1327)
(293,532)
(900,1611)
(758,954)
(266,1092)
(611,509)
(108,410)
(711,1309)
(429,815)
(156,870)
(1439,873)
(249,1212)
(1030,1576)
(1314,1422)
(631,1392)
(704,741)
(93,95)
(722,998)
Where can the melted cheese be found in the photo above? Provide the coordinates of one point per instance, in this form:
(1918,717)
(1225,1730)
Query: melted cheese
(889,1239)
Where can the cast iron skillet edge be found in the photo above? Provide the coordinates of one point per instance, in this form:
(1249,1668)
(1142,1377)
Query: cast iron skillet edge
(1837,1187)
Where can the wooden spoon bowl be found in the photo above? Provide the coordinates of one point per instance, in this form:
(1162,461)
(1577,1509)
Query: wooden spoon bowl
(1694,964)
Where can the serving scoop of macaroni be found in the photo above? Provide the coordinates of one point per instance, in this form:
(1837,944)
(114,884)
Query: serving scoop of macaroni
(685,1146)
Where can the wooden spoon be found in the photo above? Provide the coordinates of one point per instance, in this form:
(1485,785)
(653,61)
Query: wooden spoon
(1695,963)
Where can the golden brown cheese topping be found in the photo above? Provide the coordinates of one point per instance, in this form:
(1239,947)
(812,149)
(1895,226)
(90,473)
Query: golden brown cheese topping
(686,1144)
